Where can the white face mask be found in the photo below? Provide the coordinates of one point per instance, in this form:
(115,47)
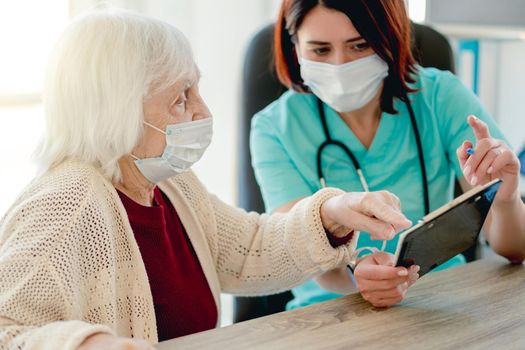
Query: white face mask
(185,145)
(345,87)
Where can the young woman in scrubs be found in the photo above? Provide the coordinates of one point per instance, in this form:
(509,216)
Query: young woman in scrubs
(361,115)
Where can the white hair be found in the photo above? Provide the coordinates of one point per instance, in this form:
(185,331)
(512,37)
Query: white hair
(99,73)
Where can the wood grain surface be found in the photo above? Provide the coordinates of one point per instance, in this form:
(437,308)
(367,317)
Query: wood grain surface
(480,305)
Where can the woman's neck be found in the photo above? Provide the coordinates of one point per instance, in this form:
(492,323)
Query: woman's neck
(364,122)
(133,183)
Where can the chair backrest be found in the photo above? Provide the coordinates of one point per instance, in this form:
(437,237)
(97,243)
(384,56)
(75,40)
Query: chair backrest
(260,87)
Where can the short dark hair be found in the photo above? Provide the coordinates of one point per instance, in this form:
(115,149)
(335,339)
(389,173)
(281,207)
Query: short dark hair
(384,24)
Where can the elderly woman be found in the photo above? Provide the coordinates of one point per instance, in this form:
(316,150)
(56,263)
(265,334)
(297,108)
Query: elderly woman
(116,238)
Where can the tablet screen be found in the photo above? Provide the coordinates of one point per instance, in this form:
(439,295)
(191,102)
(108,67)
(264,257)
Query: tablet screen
(448,234)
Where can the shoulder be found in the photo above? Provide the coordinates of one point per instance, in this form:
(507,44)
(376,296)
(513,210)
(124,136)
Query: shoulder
(429,80)
(59,193)
(289,108)
(73,182)
(443,95)
(446,95)
(62,201)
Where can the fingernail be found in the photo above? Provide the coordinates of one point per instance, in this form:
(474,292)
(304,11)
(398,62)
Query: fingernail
(402,273)
(466,170)
(474,180)
(490,170)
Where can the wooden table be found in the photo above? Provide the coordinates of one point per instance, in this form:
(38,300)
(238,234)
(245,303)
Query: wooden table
(477,306)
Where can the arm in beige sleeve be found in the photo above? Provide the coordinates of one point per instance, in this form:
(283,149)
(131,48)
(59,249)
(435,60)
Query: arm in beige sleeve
(336,280)
(263,254)
(36,310)
(31,302)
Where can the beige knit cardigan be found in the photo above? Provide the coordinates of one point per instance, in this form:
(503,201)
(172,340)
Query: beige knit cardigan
(70,266)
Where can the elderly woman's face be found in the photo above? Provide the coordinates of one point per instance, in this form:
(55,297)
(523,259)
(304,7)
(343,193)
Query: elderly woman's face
(178,104)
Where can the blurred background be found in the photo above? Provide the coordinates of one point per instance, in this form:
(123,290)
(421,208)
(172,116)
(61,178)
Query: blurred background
(488,38)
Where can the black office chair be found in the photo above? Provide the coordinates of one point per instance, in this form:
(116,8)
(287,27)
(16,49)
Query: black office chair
(259,87)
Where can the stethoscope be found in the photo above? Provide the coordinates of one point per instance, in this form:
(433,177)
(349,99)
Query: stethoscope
(331,142)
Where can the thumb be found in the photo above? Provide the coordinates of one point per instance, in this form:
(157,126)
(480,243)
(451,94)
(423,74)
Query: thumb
(384,259)
(462,154)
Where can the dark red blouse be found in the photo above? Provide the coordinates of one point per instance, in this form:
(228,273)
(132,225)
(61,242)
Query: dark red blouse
(182,297)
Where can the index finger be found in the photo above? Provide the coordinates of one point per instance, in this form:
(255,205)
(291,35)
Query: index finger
(481,130)
(389,215)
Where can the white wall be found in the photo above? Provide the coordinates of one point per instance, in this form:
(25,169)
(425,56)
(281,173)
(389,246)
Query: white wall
(28,29)
(502,86)
(489,76)
(511,92)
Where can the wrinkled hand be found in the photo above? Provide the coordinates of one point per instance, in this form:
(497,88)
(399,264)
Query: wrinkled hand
(103,341)
(382,284)
(491,159)
(377,213)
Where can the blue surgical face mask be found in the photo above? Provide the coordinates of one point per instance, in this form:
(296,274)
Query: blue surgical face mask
(345,87)
(185,145)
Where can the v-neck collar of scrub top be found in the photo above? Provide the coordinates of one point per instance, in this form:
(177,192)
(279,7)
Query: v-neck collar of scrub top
(383,139)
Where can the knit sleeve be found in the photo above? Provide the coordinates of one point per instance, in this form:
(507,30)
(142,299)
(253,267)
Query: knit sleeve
(264,254)
(66,335)
(37,307)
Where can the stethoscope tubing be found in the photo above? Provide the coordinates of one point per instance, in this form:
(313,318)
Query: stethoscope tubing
(331,142)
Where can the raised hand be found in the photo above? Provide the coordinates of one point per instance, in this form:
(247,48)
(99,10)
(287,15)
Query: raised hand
(491,159)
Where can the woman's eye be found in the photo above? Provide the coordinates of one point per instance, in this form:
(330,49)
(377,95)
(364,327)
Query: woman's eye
(321,51)
(181,100)
(360,46)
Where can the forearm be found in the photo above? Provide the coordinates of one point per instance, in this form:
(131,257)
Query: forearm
(261,254)
(337,281)
(505,231)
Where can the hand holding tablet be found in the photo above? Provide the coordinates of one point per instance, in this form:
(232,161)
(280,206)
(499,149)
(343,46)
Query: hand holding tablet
(447,231)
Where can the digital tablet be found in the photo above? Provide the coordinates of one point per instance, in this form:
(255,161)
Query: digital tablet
(447,231)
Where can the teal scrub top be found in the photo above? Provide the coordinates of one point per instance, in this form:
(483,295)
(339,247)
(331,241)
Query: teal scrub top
(286,135)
